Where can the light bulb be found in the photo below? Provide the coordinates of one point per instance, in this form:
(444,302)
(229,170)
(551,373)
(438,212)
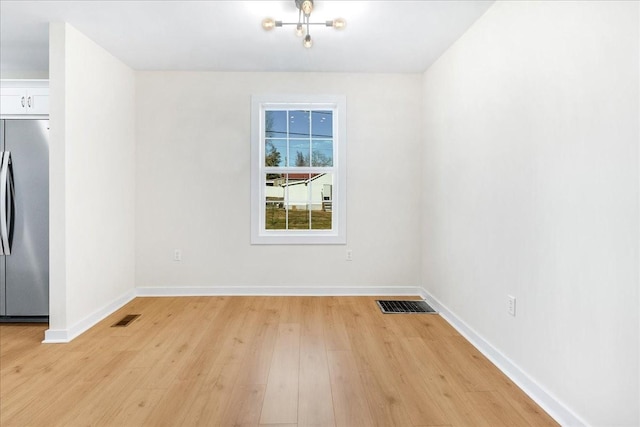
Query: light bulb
(299,30)
(268,24)
(307,7)
(307,41)
(339,23)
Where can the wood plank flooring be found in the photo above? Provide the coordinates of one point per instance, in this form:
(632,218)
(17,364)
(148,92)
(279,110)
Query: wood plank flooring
(257,361)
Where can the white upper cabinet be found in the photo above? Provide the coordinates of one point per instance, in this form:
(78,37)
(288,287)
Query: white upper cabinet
(24,97)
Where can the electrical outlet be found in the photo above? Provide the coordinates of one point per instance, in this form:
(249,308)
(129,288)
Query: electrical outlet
(349,255)
(511,305)
(177,255)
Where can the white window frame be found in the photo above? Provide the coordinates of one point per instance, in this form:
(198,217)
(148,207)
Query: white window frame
(259,233)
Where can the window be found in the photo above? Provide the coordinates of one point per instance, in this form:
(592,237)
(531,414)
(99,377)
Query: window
(298,180)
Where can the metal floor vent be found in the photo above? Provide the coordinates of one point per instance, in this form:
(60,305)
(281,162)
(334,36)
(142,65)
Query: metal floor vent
(126,320)
(396,306)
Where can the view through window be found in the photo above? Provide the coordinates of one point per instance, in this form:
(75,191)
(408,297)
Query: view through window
(298,140)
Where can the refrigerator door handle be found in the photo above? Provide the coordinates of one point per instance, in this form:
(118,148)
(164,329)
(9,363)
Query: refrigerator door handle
(3,203)
(6,202)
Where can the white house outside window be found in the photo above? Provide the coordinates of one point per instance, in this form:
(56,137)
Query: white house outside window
(298,181)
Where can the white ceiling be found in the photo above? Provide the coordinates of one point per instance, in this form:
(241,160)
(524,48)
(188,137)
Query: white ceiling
(381,36)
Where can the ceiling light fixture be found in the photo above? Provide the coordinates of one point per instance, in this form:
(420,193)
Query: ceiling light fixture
(305,7)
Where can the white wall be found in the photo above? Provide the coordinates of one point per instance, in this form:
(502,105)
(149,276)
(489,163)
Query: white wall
(192,182)
(530,186)
(57,181)
(91,180)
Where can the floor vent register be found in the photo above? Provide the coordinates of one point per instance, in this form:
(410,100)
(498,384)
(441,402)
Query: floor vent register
(125,321)
(398,307)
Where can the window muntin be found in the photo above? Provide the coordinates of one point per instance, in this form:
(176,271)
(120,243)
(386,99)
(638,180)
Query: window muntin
(298,179)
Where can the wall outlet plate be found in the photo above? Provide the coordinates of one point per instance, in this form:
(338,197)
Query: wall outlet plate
(511,305)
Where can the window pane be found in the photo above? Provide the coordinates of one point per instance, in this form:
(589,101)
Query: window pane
(297,188)
(322,124)
(299,152)
(322,152)
(275,216)
(321,219)
(297,200)
(275,124)
(274,190)
(275,152)
(274,195)
(298,217)
(299,124)
(321,192)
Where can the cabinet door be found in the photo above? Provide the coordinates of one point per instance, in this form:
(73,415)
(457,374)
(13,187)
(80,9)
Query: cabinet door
(38,100)
(13,101)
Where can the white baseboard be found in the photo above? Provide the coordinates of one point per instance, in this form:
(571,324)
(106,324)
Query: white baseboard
(280,291)
(535,391)
(58,336)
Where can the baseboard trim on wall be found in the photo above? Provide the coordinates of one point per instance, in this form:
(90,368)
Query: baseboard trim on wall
(55,336)
(280,291)
(558,411)
(60,336)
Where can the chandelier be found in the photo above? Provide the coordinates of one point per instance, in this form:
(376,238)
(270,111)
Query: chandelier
(305,7)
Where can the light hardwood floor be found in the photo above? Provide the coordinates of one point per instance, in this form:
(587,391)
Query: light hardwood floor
(250,361)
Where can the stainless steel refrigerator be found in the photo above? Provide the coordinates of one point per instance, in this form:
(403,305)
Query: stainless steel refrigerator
(24,220)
